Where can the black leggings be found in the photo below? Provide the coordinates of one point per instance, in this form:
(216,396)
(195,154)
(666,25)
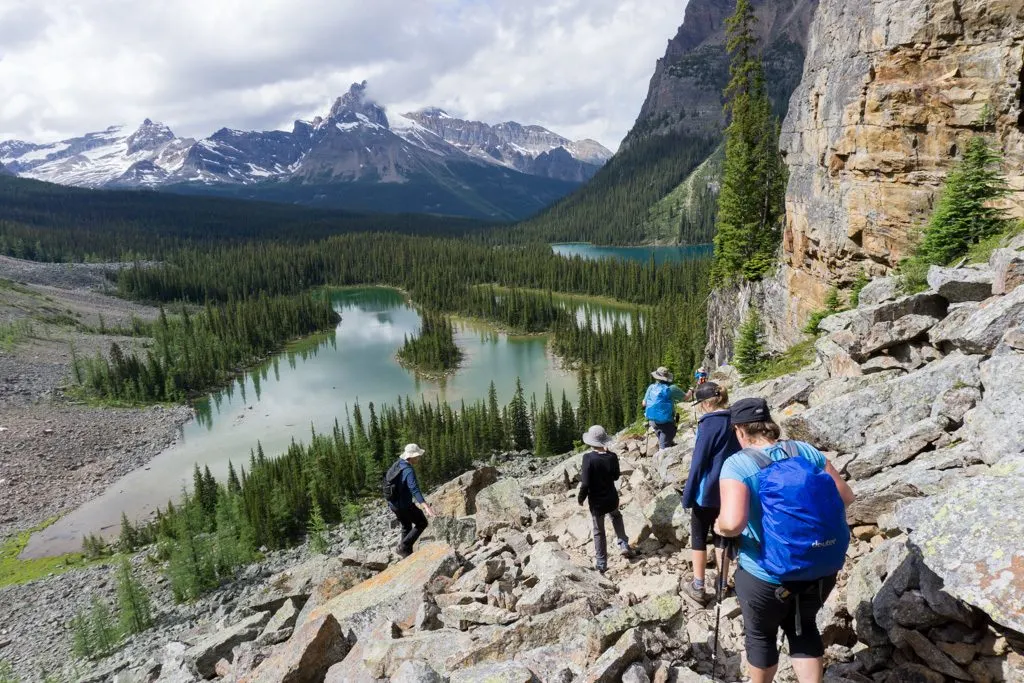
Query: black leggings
(413,522)
(764,613)
(702,523)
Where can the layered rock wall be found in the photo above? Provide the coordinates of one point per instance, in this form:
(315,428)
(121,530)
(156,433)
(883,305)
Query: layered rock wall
(891,93)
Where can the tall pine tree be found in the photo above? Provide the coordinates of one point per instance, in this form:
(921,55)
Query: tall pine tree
(751,202)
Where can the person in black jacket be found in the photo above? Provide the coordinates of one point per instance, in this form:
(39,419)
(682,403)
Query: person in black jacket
(597,482)
(715,442)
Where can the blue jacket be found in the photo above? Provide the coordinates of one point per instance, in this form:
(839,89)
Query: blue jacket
(408,488)
(715,443)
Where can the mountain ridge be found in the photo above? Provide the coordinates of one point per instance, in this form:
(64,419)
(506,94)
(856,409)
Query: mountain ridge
(357,142)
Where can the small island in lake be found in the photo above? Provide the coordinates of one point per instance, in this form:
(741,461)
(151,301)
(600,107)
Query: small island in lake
(433,352)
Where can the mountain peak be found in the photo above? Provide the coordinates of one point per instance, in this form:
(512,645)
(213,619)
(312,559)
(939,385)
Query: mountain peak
(349,107)
(149,136)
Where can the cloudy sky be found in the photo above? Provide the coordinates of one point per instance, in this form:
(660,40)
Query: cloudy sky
(579,67)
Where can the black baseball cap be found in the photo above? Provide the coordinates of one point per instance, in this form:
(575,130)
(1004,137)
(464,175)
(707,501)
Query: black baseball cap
(749,410)
(705,391)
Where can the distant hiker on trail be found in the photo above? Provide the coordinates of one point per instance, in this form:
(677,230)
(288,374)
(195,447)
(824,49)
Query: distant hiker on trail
(700,376)
(787,504)
(660,406)
(598,474)
(715,443)
(403,493)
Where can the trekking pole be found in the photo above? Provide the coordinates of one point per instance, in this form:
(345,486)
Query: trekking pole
(718,620)
(727,552)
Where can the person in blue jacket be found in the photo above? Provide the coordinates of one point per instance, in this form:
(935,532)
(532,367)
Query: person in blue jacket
(408,494)
(659,404)
(716,441)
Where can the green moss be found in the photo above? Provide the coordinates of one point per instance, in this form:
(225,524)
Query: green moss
(16,571)
(791,360)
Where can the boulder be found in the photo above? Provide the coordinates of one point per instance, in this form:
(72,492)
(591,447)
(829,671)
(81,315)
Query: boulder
(559,479)
(609,625)
(383,654)
(931,655)
(866,581)
(173,668)
(861,320)
(537,631)
(879,290)
(457,498)
(977,328)
(886,335)
(644,586)
(306,657)
(610,666)
(670,523)
(635,673)
(332,587)
(897,449)
(462,616)
(834,357)
(205,654)
(927,474)
(298,583)
(415,671)
(500,506)
(673,464)
(280,626)
(1012,342)
(832,388)
(503,672)
(393,595)
(957,285)
(1008,267)
(883,364)
(969,536)
(458,532)
(561,663)
(880,411)
(996,425)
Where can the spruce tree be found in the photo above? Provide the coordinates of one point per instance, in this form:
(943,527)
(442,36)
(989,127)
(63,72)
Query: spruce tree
(103,631)
(966,212)
(749,353)
(130,539)
(316,530)
(751,201)
(134,611)
(519,417)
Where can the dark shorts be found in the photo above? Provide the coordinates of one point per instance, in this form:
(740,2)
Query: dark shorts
(702,524)
(764,613)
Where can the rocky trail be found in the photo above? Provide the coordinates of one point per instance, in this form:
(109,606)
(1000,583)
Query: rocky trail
(916,399)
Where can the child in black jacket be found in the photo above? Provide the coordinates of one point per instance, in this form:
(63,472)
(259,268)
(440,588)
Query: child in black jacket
(598,474)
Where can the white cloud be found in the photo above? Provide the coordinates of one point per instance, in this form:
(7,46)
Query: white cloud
(579,67)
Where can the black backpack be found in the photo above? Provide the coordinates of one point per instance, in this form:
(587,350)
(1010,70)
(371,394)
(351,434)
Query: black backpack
(392,482)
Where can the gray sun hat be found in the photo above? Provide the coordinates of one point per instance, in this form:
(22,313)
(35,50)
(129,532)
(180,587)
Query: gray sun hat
(412,451)
(596,436)
(663,374)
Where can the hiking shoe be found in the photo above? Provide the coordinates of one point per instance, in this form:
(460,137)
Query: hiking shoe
(624,549)
(602,569)
(695,592)
(402,551)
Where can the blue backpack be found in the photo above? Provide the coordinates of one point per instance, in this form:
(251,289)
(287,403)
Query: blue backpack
(805,535)
(660,408)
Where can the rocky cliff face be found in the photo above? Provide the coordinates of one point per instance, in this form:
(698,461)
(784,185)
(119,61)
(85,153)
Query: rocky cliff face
(686,89)
(891,93)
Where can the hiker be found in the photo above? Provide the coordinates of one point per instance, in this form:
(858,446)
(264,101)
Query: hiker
(701,376)
(715,443)
(403,493)
(787,504)
(660,406)
(598,473)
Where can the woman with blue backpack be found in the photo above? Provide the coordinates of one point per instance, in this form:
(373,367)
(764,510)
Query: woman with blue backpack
(659,405)
(787,504)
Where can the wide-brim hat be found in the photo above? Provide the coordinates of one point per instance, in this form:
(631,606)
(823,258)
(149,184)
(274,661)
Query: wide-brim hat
(706,391)
(412,451)
(596,436)
(663,374)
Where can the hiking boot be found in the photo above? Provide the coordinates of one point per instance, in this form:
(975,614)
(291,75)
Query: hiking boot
(602,568)
(402,551)
(696,593)
(624,549)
